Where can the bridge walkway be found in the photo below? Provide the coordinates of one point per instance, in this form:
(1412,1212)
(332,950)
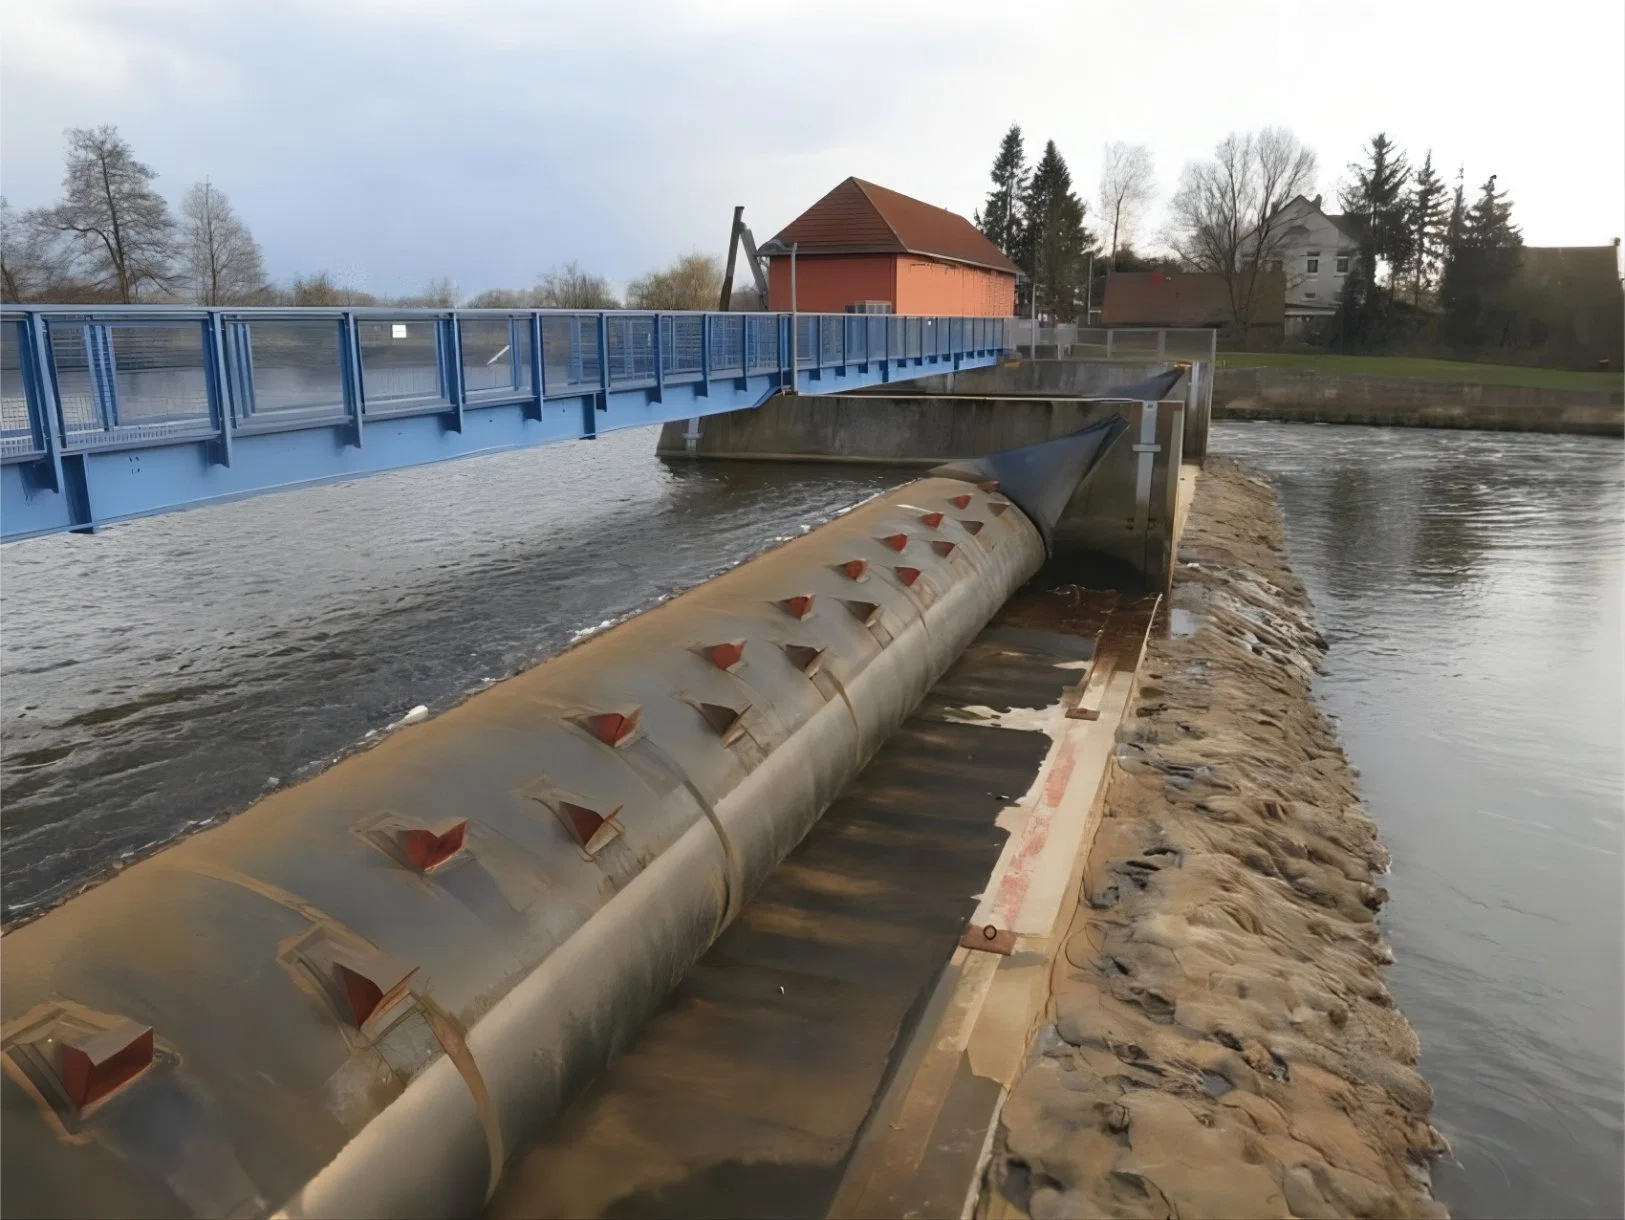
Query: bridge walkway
(111,414)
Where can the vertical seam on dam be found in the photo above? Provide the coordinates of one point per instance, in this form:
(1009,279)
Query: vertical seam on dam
(454,1042)
(731,880)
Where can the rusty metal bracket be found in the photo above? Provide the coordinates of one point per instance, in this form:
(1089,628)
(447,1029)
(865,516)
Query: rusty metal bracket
(989,938)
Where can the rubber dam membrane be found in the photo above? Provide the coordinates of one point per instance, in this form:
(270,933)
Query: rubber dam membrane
(383,991)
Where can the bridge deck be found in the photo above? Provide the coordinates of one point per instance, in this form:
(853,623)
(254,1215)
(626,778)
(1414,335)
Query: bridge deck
(110,414)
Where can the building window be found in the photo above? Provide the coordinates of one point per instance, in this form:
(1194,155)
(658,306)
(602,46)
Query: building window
(1309,296)
(1312,266)
(1342,264)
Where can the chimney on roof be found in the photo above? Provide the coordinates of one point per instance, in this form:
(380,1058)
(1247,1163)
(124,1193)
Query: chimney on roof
(1318,198)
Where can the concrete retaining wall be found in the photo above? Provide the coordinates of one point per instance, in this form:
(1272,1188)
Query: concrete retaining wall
(1076,378)
(1301,396)
(1022,377)
(1103,535)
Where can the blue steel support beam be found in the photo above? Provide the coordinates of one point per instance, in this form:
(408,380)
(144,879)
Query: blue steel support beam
(112,414)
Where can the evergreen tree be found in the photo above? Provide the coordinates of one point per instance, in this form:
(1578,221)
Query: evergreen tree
(1426,220)
(1352,326)
(1052,241)
(1000,219)
(1455,227)
(1485,248)
(1377,196)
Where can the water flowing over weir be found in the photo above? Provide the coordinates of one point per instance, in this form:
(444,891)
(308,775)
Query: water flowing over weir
(362,995)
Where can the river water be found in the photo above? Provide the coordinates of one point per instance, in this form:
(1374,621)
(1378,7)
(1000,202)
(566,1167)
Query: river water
(1469,585)
(162,673)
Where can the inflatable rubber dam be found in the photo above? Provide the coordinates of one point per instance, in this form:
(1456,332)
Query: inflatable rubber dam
(373,992)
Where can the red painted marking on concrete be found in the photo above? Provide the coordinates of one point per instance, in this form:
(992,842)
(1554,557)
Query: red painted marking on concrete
(1034,836)
(1065,762)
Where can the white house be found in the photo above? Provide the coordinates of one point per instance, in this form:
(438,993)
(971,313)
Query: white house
(1313,250)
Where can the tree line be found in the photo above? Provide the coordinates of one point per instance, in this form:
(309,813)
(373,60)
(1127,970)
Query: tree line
(112,238)
(1422,244)
(1035,216)
(1427,262)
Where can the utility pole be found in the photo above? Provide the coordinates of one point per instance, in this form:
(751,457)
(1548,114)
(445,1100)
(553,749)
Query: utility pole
(728,272)
(795,359)
(741,236)
(1089,290)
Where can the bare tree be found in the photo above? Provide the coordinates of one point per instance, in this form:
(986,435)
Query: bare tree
(436,294)
(692,282)
(497,298)
(570,287)
(1128,183)
(1226,216)
(122,226)
(321,289)
(222,258)
(35,263)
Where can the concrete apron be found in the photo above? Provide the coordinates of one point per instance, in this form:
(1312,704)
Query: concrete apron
(926,1145)
(746,1093)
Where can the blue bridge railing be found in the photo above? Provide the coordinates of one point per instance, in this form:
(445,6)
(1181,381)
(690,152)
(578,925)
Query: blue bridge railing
(107,414)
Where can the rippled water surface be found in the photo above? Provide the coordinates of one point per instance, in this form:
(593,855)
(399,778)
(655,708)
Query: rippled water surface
(160,673)
(1469,585)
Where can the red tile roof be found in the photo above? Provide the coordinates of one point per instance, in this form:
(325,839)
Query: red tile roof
(859,217)
(1183,298)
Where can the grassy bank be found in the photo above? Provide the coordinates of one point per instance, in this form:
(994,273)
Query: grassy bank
(1424,369)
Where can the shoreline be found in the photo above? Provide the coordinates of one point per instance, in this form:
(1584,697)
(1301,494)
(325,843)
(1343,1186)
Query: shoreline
(1218,1038)
(1307,396)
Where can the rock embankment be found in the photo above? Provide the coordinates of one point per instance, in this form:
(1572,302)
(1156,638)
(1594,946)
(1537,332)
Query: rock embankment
(1220,1038)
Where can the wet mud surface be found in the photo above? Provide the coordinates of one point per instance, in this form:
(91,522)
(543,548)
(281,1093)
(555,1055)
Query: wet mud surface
(1221,1041)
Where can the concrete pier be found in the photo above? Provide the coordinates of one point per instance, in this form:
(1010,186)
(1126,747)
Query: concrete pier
(1117,531)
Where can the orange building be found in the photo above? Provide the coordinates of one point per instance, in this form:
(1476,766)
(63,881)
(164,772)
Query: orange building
(866,248)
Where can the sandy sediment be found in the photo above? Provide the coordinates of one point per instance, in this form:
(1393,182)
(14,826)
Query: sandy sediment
(1220,1041)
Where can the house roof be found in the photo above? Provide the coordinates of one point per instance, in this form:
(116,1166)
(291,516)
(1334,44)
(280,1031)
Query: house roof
(1572,265)
(858,217)
(1348,225)
(1183,298)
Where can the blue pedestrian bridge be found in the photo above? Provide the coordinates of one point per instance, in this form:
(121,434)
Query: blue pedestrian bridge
(113,413)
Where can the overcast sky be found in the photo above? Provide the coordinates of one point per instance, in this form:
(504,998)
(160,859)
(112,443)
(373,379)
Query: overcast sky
(392,142)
